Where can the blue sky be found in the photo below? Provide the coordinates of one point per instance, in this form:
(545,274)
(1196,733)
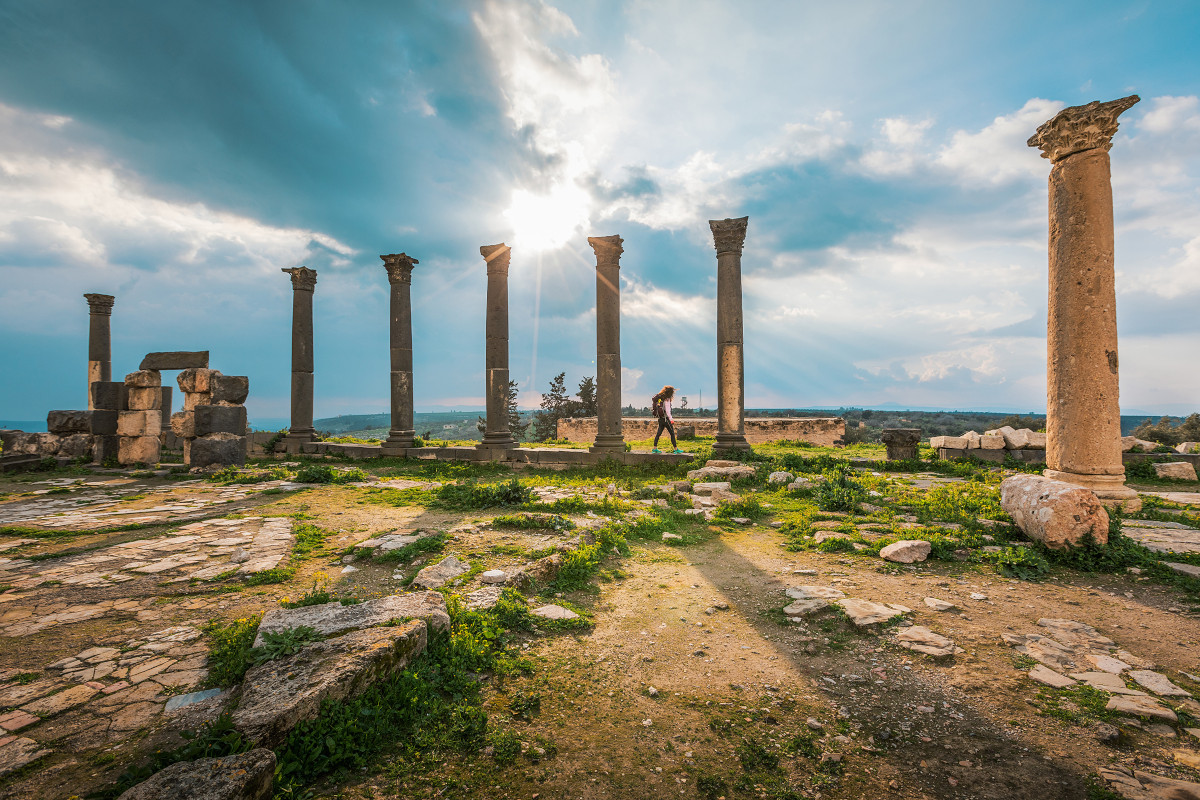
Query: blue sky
(177,155)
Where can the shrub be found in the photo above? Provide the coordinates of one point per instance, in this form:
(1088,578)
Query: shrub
(229,650)
(748,507)
(1024,563)
(555,522)
(466,496)
(323,473)
(839,491)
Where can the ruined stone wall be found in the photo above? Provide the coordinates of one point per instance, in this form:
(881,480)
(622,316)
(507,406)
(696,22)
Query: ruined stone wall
(823,431)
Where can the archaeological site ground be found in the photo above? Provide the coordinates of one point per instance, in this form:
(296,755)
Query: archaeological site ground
(774,610)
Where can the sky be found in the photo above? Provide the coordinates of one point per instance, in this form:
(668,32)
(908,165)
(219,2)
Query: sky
(178,155)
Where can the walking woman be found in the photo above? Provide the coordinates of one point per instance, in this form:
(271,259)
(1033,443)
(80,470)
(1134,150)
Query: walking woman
(662,410)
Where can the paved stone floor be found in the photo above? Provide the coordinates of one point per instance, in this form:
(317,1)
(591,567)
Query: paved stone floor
(1163,537)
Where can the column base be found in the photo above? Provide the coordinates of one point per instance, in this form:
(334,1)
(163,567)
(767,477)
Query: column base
(608,444)
(295,438)
(731,441)
(397,442)
(497,440)
(1109,489)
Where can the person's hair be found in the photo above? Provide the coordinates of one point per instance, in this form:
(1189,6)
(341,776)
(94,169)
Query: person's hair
(666,394)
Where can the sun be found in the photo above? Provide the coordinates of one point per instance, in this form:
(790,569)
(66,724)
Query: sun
(543,222)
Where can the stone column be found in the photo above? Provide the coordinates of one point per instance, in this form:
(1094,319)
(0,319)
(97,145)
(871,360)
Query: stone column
(497,433)
(304,282)
(609,438)
(728,235)
(399,271)
(99,340)
(1083,422)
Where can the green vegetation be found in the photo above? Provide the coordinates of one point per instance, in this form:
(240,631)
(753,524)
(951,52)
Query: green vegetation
(322,473)
(839,491)
(229,650)
(556,522)
(1166,432)
(471,496)
(426,544)
(277,644)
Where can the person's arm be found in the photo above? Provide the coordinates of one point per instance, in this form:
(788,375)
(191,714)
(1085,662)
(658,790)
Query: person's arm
(667,407)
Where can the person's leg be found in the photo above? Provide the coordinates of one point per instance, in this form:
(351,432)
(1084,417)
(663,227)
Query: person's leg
(662,423)
(671,428)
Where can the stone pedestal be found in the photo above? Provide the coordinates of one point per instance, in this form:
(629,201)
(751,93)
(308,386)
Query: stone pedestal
(399,271)
(608,344)
(901,443)
(99,340)
(728,236)
(497,433)
(1083,422)
(304,282)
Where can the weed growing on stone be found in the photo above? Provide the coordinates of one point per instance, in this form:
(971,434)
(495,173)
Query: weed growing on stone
(426,544)
(1023,563)
(555,522)
(229,648)
(269,576)
(747,507)
(581,563)
(289,641)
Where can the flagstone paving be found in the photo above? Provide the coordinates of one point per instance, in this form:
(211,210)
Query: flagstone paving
(1163,537)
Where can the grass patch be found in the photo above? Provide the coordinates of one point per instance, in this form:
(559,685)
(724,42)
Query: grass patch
(555,522)
(472,496)
(269,576)
(229,650)
(1077,705)
(426,544)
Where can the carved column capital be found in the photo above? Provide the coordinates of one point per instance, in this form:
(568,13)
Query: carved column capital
(100,303)
(303,278)
(608,249)
(399,267)
(729,234)
(497,257)
(1080,128)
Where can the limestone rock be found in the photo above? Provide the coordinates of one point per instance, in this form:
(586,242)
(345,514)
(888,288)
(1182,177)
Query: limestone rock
(780,477)
(18,752)
(923,640)
(279,694)
(1042,674)
(552,611)
(709,472)
(1157,683)
(1190,570)
(196,380)
(1187,447)
(139,450)
(707,489)
(542,571)
(1107,663)
(814,593)
(177,359)
(939,605)
(68,422)
(1055,513)
(992,442)
(246,776)
(1138,785)
(485,598)
(229,389)
(798,484)
(804,608)
(494,576)
(950,442)
(1037,440)
(220,419)
(144,379)
(1140,706)
(332,619)
(218,449)
(1177,470)
(1106,682)
(906,551)
(1132,444)
(865,612)
(77,445)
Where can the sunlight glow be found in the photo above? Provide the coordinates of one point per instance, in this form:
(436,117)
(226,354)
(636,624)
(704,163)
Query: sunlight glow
(543,222)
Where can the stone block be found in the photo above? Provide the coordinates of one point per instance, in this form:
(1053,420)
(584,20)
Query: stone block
(220,419)
(193,400)
(45,444)
(76,445)
(232,389)
(144,379)
(108,394)
(168,395)
(991,442)
(334,619)
(685,432)
(104,421)
(949,442)
(139,423)
(67,422)
(221,449)
(105,448)
(1132,444)
(183,424)
(145,398)
(178,359)
(1055,513)
(1187,447)
(901,443)
(1037,440)
(1179,470)
(906,551)
(245,776)
(196,379)
(972,438)
(138,450)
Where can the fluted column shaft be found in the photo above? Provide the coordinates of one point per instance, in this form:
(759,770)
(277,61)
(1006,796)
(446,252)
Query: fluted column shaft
(1083,414)
(99,340)
(609,437)
(497,433)
(399,269)
(304,283)
(728,237)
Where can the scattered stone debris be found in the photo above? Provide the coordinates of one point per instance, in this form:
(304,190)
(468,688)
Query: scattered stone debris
(246,776)
(436,575)
(552,611)
(923,640)
(906,551)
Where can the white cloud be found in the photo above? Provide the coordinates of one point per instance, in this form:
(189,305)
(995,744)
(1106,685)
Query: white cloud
(1168,115)
(645,301)
(999,152)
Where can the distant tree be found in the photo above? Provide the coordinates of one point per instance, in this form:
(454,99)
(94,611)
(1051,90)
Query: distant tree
(587,399)
(1166,433)
(553,405)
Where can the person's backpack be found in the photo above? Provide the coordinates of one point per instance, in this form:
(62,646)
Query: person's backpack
(657,408)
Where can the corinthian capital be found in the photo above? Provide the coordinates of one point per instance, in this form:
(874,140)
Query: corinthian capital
(497,257)
(728,234)
(608,249)
(1080,128)
(100,303)
(303,278)
(399,267)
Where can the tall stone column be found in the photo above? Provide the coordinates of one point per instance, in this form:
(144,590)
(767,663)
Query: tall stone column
(304,282)
(399,271)
(99,340)
(497,433)
(728,236)
(609,438)
(1083,415)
